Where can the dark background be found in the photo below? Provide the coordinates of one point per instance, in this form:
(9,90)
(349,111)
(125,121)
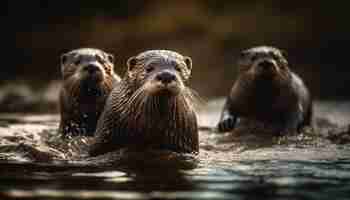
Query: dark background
(315,35)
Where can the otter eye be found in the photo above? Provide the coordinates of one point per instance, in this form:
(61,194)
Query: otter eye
(110,57)
(243,54)
(274,56)
(99,59)
(106,68)
(77,62)
(177,67)
(254,57)
(149,68)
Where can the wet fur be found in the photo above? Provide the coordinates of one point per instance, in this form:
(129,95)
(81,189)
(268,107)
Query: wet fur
(283,100)
(82,101)
(136,119)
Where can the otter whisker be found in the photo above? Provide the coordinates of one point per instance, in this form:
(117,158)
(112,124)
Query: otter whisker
(144,115)
(154,105)
(194,97)
(193,100)
(174,111)
(135,104)
(76,87)
(85,89)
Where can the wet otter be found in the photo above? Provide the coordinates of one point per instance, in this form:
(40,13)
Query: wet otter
(151,108)
(267,91)
(88,78)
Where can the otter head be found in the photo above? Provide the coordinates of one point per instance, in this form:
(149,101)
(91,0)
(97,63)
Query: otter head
(151,107)
(87,65)
(263,62)
(159,72)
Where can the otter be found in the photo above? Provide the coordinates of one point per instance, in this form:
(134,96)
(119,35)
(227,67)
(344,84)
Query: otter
(267,91)
(151,108)
(88,78)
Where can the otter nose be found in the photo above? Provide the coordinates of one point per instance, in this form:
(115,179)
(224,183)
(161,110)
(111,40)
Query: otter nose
(165,77)
(266,64)
(91,69)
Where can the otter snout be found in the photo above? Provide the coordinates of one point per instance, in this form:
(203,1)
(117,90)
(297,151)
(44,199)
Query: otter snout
(91,68)
(266,65)
(164,81)
(166,77)
(92,71)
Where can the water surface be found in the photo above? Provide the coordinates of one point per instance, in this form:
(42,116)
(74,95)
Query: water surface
(36,164)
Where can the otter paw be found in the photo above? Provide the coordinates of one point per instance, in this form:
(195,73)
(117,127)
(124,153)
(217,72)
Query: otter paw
(226,124)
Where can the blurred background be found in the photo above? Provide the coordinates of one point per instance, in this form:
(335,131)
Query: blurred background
(315,35)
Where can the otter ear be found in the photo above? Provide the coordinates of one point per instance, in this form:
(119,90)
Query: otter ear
(243,54)
(64,58)
(188,62)
(132,61)
(110,57)
(284,53)
(284,57)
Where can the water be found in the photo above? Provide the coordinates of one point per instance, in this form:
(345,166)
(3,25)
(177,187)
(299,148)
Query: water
(37,165)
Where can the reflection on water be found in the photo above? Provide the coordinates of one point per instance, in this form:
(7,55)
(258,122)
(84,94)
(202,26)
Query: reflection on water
(295,167)
(243,179)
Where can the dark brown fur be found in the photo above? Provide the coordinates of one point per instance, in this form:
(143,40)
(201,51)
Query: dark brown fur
(142,113)
(83,95)
(273,95)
